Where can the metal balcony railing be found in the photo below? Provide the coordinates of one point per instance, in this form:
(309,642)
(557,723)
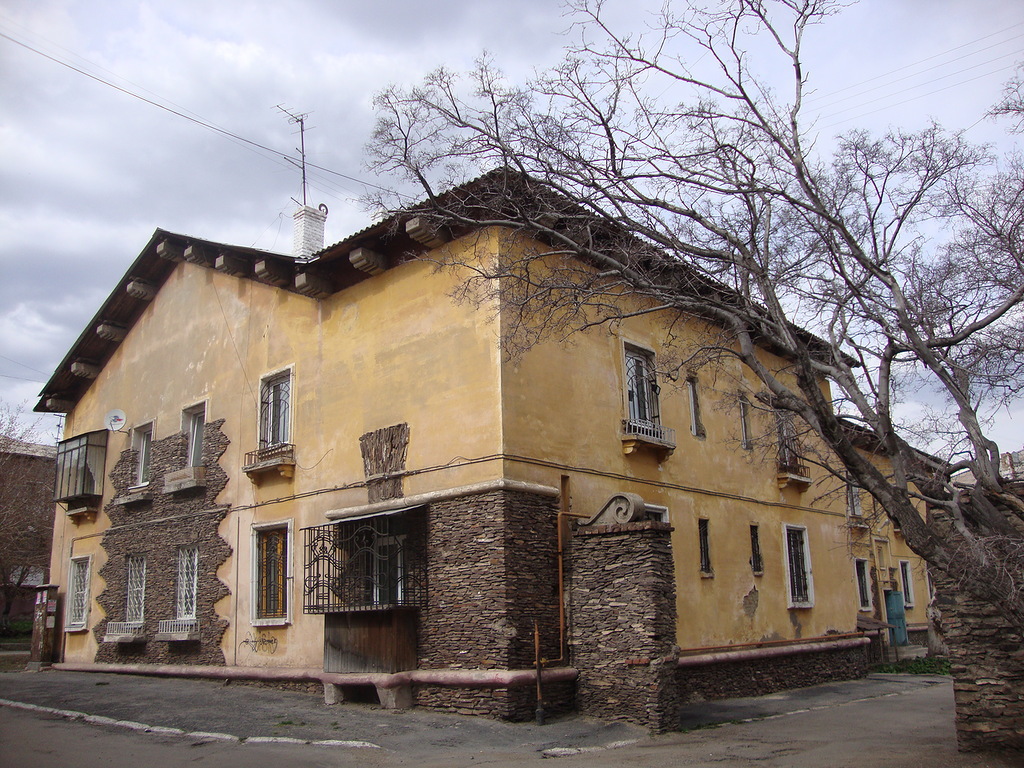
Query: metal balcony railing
(124,627)
(284,452)
(648,430)
(177,626)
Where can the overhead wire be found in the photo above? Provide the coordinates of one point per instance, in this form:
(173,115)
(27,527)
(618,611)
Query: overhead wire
(180,112)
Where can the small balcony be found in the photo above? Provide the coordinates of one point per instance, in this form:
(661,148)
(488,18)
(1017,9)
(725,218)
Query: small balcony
(177,630)
(123,632)
(642,434)
(279,458)
(792,471)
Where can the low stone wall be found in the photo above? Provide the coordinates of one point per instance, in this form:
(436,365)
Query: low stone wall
(757,677)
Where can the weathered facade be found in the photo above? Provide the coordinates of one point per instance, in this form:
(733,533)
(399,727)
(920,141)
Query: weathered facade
(327,469)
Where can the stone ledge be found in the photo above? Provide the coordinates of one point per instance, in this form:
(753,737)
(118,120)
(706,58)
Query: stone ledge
(642,525)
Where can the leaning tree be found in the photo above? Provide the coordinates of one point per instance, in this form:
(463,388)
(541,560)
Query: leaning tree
(669,165)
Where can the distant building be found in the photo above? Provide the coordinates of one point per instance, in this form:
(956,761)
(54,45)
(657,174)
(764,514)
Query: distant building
(26,523)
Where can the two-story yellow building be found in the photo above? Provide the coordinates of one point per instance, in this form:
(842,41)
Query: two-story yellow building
(324,468)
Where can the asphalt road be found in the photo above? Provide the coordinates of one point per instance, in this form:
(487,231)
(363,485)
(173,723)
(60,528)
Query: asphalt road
(60,719)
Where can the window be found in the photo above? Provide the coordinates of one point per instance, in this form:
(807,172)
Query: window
(135,608)
(80,463)
(789,448)
(642,388)
(656,512)
(863,584)
(78,594)
(272,572)
(853,505)
(696,423)
(193,424)
(746,437)
(187,588)
(756,560)
(798,567)
(275,414)
(142,442)
(908,584)
(705,546)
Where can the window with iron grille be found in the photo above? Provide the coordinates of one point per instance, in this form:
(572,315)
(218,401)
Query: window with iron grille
(756,560)
(194,426)
(275,410)
(135,609)
(798,569)
(789,446)
(188,582)
(863,584)
(853,504)
(705,546)
(80,463)
(642,388)
(271,582)
(78,593)
(368,564)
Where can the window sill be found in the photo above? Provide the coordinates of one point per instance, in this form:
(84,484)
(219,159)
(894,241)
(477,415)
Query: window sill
(800,606)
(74,629)
(135,495)
(795,479)
(185,479)
(707,574)
(176,637)
(271,622)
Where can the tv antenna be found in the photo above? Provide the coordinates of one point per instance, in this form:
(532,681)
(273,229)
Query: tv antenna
(300,119)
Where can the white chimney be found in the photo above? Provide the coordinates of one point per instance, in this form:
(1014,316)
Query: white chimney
(308,231)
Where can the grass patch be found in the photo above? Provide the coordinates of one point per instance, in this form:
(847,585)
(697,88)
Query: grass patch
(13,662)
(928,665)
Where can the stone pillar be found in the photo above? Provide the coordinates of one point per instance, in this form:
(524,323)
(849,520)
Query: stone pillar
(623,603)
(987,658)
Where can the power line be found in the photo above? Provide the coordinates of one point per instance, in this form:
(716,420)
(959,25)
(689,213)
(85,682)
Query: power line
(178,113)
(23,365)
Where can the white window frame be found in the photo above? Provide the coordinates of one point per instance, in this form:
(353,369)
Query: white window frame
(187,584)
(808,572)
(862,575)
(78,593)
(696,421)
(271,621)
(193,423)
(270,432)
(656,512)
(142,444)
(135,590)
(907,580)
(384,558)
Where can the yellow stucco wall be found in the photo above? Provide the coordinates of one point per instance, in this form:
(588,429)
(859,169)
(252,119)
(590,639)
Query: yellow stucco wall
(396,348)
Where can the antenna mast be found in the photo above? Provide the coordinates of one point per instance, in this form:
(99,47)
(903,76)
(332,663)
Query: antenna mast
(300,119)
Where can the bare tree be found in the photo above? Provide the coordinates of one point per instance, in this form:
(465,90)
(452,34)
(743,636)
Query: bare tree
(26,507)
(665,166)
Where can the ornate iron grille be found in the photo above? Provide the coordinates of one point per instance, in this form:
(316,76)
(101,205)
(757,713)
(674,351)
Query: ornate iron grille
(188,573)
(368,564)
(136,597)
(799,584)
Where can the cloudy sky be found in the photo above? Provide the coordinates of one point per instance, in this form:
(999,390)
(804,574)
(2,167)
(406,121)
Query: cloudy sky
(89,169)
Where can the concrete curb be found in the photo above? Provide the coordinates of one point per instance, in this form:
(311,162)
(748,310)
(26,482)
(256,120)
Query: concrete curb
(160,730)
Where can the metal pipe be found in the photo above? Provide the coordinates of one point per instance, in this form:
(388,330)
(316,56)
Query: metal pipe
(764,643)
(754,654)
(540,691)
